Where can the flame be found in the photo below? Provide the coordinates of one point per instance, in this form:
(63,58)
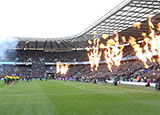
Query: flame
(138,51)
(151,26)
(111,42)
(144,34)
(151,47)
(58,67)
(102,46)
(113,52)
(158,26)
(89,42)
(104,36)
(123,39)
(137,25)
(62,68)
(94,55)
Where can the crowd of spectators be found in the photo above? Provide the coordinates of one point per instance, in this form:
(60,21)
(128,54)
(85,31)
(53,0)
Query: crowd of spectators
(127,71)
(36,56)
(40,55)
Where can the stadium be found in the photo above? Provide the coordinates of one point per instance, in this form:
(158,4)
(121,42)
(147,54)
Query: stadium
(112,67)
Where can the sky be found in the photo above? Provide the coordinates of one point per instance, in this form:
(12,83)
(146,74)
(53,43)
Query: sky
(50,18)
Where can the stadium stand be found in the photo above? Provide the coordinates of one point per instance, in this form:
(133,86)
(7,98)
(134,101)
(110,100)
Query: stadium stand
(72,49)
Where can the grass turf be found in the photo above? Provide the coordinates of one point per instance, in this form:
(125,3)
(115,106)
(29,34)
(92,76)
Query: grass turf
(73,98)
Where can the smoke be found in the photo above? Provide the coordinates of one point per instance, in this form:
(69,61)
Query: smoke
(7,47)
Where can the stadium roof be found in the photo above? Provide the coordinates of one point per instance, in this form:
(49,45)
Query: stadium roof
(119,19)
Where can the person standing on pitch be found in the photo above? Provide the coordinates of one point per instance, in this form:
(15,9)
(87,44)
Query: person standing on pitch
(46,77)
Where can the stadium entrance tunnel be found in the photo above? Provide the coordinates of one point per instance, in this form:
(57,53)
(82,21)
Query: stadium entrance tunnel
(50,75)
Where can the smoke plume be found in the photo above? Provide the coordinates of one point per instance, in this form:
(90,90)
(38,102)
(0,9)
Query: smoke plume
(7,46)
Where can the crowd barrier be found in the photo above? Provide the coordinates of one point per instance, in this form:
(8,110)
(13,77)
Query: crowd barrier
(133,83)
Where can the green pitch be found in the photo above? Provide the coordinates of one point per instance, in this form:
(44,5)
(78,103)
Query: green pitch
(73,98)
